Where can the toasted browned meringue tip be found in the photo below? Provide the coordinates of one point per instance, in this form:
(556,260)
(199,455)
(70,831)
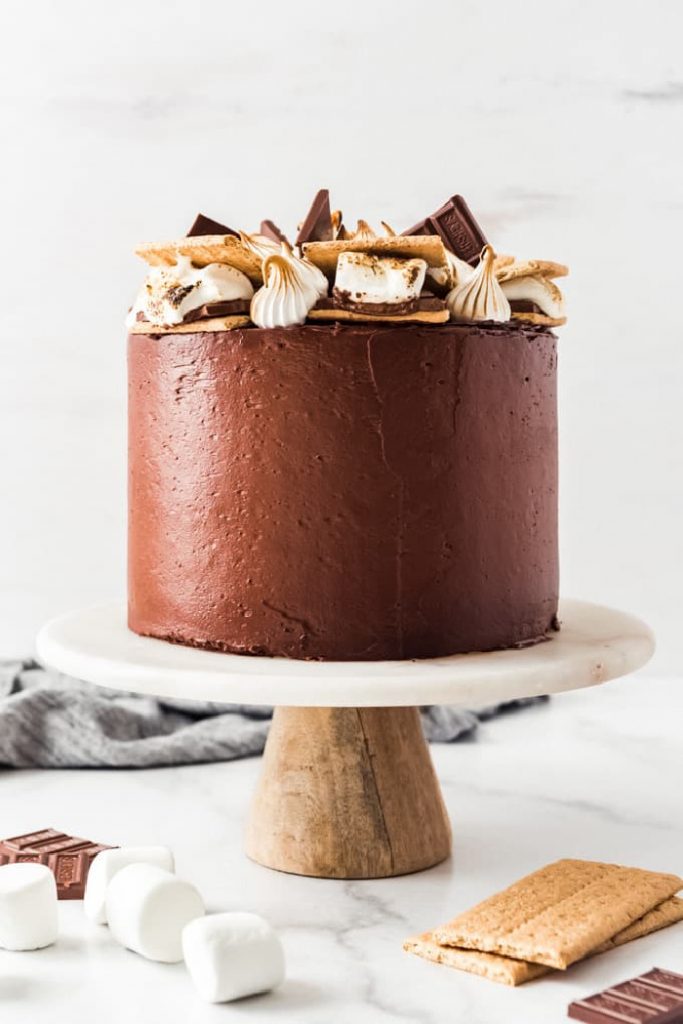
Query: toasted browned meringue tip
(388,230)
(363,232)
(261,245)
(338,229)
(284,298)
(480,297)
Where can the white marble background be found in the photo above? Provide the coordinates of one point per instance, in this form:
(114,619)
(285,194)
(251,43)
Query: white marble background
(560,122)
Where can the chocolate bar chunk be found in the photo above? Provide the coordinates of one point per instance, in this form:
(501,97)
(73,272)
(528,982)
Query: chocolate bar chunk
(652,998)
(68,857)
(272,231)
(206,226)
(317,227)
(456,226)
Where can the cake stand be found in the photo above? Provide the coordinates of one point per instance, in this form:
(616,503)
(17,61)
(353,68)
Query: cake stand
(347,787)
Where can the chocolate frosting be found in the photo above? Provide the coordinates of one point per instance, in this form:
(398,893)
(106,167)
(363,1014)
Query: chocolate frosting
(362,491)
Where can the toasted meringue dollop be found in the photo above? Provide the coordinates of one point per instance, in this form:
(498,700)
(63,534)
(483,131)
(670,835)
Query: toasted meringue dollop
(543,292)
(363,232)
(364,278)
(480,297)
(454,272)
(311,276)
(260,245)
(170,293)
(291,288)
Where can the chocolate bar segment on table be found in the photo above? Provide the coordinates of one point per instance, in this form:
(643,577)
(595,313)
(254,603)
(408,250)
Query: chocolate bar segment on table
(68,857)
(206,226)
(653,998)
(456,226)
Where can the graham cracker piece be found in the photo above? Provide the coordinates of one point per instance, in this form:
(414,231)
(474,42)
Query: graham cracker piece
(507,268)
(667,913)
(502,969)
(507,971)
(560,913)
(423,316)
(202,250)
(427,247)
(539,318)
(217,323)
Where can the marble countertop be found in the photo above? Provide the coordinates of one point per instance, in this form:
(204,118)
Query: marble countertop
(593,774)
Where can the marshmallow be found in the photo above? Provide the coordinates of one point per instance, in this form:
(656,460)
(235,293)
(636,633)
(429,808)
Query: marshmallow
(147,909)
(230,956)
(364,278)
(170,293)
(28,906)
(108,863)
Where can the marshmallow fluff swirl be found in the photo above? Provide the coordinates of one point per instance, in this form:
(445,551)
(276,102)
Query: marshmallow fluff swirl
(170,293)
(480,297)
(291,288)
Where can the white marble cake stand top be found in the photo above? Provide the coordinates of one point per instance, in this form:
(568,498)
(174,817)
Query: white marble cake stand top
(594,645)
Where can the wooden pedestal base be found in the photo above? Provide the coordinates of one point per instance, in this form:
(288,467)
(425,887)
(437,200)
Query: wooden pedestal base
(347,793)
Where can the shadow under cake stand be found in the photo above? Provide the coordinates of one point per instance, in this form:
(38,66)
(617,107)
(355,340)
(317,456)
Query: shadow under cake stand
(347,788)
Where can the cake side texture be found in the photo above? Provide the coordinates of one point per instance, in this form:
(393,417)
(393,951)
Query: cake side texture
(347,492)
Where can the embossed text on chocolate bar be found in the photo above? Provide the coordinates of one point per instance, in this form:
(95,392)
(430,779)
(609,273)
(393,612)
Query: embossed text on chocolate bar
(458,229)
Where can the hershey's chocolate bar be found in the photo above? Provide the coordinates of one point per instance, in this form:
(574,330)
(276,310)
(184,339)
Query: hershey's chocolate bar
(317,226)
(206,226)
(455,224)
(68,857)
(653,998)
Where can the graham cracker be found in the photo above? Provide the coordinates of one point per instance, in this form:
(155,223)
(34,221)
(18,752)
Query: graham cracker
(539,318)
(424,316)
(558,914)
(217,323)
(427,247)
(502,969)
(202,250)
(667,913)
(507,971)
(507,268)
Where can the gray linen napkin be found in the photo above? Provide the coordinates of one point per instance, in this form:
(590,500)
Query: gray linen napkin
(48,720)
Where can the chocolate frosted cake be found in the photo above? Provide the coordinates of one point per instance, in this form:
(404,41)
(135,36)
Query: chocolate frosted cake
(346,450)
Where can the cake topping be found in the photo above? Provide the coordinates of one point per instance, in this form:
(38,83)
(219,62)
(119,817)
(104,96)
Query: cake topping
(325,254)
(201,251)
(260,244)
(507,267)
(170,293)
(206,226)
(374,275)
(363,232)
(456,226)
(291,288)
(338,229)
(480,297)
(455,271)
(317,225)
(529,287)
(363,279)
(272,231)
(540,291)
